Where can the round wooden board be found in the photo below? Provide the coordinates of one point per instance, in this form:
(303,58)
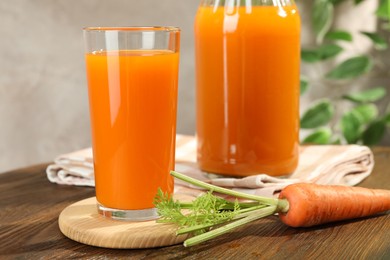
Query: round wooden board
(82,222)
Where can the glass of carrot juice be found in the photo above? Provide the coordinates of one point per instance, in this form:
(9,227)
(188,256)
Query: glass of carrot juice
(132,75)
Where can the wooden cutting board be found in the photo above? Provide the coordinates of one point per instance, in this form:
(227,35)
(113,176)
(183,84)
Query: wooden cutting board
(81,222)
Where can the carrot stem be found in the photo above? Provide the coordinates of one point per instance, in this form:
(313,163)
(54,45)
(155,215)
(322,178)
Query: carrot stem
(283,206)
(266,207)
(256,214)
(229,205)
(241,214)
(210,187)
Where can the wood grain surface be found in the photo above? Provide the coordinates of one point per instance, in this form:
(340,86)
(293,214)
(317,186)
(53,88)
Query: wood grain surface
(30,206)
(81,222)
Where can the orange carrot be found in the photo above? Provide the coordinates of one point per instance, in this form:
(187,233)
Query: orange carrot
(299,205)
(313,204)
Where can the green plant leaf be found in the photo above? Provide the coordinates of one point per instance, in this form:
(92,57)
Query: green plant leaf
(322,53)
(383,10)
(308,55)
(386,119)
(335,2)
(329,50)
(319,136)
(336,141)
(322,18)
(353,121)
(379,42)
(374,132)
(339,35)
(317,115)
(366,112)
(350,126)
(351,68)
(304,85)
(369,95)
(358,2)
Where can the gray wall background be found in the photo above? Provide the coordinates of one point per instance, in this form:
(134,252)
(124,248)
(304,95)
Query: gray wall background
(43,93)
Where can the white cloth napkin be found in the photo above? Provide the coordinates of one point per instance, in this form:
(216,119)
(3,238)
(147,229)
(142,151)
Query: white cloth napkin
(324,164)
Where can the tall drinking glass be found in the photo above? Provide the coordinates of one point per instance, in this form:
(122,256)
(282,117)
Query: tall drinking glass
(132,75)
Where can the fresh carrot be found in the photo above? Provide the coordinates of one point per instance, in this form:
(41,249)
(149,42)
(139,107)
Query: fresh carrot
(298,205)
(313,204)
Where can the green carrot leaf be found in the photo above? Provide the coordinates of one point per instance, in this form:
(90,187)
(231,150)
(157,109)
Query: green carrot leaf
(351,68)
(317,115)
(374,132)
(369,95)
(209,216)
(322,18)
(379,42)
(206,210)
(339,35)
(319,136)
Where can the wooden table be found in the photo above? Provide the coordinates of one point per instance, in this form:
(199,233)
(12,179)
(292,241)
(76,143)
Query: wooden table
(30,205)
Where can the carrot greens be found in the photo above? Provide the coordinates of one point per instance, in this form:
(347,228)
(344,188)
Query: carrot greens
(201,213)
(209,216)
(299,205)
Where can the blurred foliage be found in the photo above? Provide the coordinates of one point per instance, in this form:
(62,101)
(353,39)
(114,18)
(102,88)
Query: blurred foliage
(362,123)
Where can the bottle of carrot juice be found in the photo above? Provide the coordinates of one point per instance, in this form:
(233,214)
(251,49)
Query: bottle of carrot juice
(247,73)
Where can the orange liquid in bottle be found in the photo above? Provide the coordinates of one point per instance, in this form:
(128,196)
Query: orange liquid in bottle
(133,116)
(247,63)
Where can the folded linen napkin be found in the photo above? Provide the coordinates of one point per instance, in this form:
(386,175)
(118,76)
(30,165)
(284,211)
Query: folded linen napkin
(324,164)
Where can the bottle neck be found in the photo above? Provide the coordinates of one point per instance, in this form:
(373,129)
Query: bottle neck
(247,2)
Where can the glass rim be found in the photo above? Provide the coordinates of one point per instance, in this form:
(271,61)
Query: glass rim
(132,28)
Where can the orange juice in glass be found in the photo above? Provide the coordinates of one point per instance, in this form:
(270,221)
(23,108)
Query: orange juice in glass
(247,72)
(132,75)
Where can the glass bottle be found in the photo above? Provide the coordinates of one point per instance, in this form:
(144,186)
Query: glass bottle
(247,73)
